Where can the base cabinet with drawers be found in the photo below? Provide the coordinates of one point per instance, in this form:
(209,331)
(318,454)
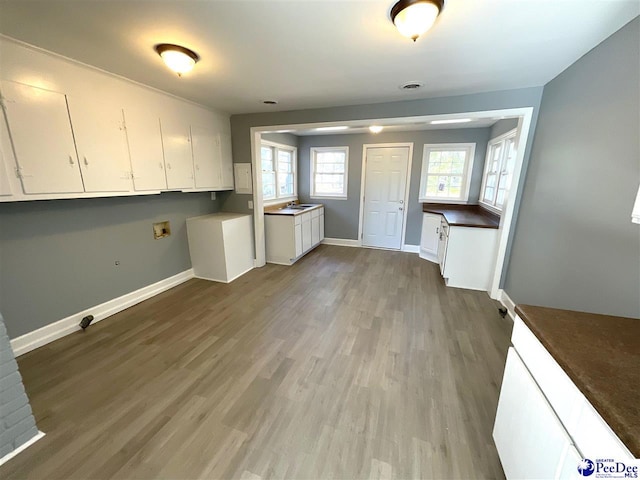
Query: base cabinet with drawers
(289,237)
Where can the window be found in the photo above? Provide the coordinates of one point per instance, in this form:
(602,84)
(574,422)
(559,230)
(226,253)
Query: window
(278,171)
(498,170)
(446,172)
(329,169)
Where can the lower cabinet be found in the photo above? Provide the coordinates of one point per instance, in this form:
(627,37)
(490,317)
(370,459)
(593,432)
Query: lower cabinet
(544,425)
(289,237)
(466,255)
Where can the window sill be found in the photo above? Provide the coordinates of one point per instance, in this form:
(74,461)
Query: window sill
(443,200)
(328,198)
(276,201)
(491,208)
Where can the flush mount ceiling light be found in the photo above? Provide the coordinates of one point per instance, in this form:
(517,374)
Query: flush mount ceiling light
(331,129)
(375,128)
(454,120)
(179,59)
(411,86)
(413,18)
(270,102)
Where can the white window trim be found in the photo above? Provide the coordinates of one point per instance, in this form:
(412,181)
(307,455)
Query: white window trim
(487,163)
(312,166)
(294,150)
(466,179)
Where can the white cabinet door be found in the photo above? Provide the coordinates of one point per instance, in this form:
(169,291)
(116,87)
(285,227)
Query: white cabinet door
(443,238)
(206,157)
(322,224)
(101,144)
(176,141)
(42,138)
(226,161)
(298,239)
(315,230)
(530,439)
(429,239)
(145,148)
(306,231)
(7,165)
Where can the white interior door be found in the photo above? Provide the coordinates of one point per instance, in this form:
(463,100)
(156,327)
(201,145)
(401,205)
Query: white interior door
(384,194)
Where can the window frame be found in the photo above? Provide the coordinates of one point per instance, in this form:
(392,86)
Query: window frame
(294,165)
(500,139)
(466,176)
(312,171)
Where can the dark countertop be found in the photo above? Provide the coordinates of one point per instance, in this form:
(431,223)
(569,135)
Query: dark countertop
(290,211)
(601,355)
(464,215)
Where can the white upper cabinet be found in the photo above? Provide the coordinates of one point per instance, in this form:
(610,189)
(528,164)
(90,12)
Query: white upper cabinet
(176,140)
(101,143)
(145,149)
(226,161)
(206,157)
(42,137)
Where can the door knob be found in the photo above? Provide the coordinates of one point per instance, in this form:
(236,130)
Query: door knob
(401,202)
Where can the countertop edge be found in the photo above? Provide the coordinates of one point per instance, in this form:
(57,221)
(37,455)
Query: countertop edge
(617,424)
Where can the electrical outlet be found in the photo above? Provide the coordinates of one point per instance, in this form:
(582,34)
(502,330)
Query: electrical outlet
(213,195)
(117,262)
(250,204)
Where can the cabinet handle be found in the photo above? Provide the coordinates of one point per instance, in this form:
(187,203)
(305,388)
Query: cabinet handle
(437,229)
(85,161)
(161,167)
(400,208)
(71,162)
(168,166)
(198,167)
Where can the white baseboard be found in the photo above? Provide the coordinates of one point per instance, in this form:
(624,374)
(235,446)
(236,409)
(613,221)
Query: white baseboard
(224,281)
(411,248)
(49,333)
(21,448)
(342,242)
(507,303)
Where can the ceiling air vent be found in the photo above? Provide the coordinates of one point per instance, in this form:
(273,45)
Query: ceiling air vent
(411,86)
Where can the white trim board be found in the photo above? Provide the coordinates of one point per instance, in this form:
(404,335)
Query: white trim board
(21,448)
(411,248)
(53,331)
(507,303)
(341,242)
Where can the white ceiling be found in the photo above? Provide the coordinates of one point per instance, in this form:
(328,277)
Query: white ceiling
(310,53)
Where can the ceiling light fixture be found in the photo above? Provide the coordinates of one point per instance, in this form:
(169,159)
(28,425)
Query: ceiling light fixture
(179,59)
(330,129)
(375,128)
(454,120)
(413,18)
(270,102)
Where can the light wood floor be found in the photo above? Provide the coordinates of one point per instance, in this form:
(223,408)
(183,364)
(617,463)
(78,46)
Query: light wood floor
(353,363)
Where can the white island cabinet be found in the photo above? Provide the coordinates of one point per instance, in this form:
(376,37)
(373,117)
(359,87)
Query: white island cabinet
(221,246)
(290,236)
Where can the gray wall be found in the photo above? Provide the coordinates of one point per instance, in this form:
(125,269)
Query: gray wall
(342,216)
(284,138)
(503,126)
(17,425)
(58,257)
(575,246)
(241,124)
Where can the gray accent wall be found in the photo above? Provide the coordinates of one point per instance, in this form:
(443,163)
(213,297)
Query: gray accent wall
(575,246)
(283,138)
(57,257)
(503,126)
(17,425)
(343,216)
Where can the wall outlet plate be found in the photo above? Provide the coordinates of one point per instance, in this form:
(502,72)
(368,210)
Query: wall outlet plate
(250,204)
(213,195)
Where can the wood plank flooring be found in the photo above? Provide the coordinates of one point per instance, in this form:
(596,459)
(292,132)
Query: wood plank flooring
(353,363)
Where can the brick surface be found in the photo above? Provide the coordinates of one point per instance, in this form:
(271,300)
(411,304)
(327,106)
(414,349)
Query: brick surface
(17,424)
